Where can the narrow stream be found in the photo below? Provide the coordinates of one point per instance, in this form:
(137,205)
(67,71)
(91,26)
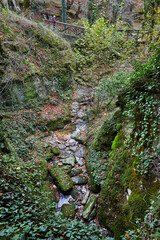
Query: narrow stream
(68,141)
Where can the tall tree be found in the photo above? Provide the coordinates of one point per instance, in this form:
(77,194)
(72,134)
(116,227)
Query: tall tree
(64,10)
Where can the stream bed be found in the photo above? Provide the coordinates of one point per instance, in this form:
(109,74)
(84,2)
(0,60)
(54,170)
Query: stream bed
(69,142)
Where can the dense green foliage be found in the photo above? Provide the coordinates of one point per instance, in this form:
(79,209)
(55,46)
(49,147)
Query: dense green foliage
(28,203)
(150,223)
(123,153)
(102,43)
(134,159)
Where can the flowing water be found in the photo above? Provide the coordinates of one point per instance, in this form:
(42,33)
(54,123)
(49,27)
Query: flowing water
(68,141)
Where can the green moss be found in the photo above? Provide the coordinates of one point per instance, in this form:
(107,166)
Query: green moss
(29,89)
(116,213)
(106,133)
(49,156)
(48,193)
(55,151)
(68,210)
(42,165)
(118,141)
(61,178)
(57,123)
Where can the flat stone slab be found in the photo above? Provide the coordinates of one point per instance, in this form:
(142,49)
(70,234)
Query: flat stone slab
(81,114)
(80,153)
(61,146)
(73,148)
(80,161)
(71,160)
(80,180)
(72,142)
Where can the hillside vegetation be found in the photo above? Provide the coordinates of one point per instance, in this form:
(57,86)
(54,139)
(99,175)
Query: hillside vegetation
(34,61)
(41,77)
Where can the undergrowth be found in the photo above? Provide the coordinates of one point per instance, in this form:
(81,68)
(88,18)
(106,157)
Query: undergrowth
(27,200)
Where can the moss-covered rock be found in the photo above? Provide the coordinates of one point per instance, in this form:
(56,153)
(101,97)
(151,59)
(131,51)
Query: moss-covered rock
(118,211)
(61,178)
(75,172)
(44,69)
(57,123)
(106,133)
(67,168)
(80,180)
(92,185)
(55,151)
(68,210)
(75,193)
(42,165)
(89,209)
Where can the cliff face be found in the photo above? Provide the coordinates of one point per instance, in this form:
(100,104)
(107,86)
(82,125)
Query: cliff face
(34,62)
(132,172)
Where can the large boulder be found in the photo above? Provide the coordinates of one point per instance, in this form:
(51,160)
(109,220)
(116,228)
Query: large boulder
(62,179)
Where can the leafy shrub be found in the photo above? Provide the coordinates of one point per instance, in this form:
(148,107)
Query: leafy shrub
(133,161)
(149,227)
(102,43)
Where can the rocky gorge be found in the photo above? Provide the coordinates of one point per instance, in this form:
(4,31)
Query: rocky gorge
(79,131)
(68,168)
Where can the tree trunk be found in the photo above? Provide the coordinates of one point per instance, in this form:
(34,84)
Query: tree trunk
(64,10)
(5,4)
(26,4)
(153,13)
(1,49)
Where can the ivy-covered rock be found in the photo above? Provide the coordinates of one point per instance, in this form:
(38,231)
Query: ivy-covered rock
(134,154)
(62,179)
(68,210)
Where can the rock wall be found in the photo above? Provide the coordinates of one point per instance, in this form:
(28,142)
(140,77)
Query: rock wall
(35,61)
